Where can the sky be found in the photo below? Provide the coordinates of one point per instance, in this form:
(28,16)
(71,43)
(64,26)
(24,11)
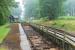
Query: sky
(18,0)
(21,5)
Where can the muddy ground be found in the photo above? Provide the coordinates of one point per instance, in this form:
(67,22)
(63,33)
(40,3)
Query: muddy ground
(12,41)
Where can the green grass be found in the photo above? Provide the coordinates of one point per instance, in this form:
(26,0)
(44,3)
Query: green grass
(3,32)
(66,23)
(3,49)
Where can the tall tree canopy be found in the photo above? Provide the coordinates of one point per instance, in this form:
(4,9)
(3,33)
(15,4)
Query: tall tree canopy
(5,7)
(44,8)
(31,8)
(51,8)
(70,7)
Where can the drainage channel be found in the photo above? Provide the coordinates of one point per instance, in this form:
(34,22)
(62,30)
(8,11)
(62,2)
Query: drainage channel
(24,43)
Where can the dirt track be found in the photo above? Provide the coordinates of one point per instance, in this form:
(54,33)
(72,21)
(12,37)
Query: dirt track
(12,41)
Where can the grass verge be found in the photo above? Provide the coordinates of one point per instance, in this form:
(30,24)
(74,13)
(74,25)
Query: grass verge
(3,48)
(67,23)
(3,32)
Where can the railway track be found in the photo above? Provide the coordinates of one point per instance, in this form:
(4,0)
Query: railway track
(64,37)
(69,38)
(61,34)
(37,41)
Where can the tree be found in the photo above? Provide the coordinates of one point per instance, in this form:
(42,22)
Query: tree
(32,8)
(51,8)
(44,8)
(5,6)
(70,7)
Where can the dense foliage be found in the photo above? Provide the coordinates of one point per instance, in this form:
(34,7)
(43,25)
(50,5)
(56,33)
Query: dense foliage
(44,8)
(51,8)
(32,8)
(69,7)
(5,6)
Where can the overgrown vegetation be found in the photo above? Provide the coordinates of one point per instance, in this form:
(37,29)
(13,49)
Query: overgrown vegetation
(44,8)
(53,13)
(5,7)
(66,23)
